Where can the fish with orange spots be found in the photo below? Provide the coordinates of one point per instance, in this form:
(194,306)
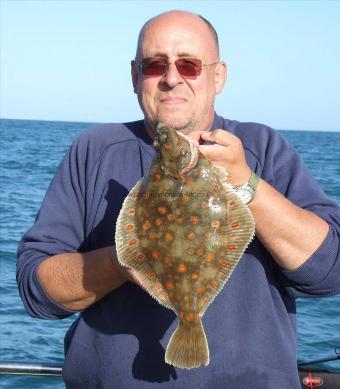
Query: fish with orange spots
(184,240)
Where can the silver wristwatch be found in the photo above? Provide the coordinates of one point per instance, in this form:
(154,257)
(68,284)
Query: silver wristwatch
(246,192)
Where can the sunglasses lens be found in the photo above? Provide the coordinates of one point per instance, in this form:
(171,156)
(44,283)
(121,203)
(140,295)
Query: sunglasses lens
(153,66)
(189,67)
(186,67)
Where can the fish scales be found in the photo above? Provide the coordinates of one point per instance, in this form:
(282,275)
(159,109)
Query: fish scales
(183,229)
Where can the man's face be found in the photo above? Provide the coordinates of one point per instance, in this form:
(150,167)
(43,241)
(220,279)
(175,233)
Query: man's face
(184,103)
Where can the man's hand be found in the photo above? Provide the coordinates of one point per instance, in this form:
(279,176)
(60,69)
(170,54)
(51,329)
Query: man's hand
(226,151)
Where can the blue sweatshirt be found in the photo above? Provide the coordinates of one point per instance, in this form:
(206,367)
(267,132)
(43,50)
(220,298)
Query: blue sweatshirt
(119,341)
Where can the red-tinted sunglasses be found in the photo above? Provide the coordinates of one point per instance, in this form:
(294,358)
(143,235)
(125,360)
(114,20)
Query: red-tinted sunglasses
(186,67)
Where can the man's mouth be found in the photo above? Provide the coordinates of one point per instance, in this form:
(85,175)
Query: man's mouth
(172,100)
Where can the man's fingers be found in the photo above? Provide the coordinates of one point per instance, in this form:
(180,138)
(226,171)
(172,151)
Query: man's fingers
(213,152)
(221,137)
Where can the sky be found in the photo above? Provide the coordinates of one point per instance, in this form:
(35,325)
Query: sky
(69,60)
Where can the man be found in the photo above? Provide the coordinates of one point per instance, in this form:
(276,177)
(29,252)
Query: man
(67,261)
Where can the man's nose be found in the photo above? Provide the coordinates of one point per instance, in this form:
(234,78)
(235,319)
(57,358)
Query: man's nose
(172,77)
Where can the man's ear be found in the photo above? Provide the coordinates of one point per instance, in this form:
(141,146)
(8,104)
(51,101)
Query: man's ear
(134,75)
(220,76)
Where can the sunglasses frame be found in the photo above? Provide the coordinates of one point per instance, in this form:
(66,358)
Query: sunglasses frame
(166,66)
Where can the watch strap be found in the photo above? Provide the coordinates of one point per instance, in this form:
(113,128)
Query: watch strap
(254,181)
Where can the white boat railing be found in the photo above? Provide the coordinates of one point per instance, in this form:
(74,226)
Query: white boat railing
(31,368)
(55,368)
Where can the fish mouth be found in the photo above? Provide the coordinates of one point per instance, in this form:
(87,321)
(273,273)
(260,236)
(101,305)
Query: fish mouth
(193,152)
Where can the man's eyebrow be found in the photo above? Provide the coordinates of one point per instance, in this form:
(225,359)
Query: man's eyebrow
(160,54)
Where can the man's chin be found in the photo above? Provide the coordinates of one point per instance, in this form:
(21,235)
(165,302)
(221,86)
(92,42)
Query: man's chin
(179,123)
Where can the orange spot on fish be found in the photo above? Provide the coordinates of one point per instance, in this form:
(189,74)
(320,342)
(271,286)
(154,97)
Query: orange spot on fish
(146,225)
(194,219)
(231,247)
(157,177)
(162,210)
(169,285)
(152,274)
(197,189)
(169,237)
(170,217)
(159,222)
(155,254)
(191,235)
(186,298)
(167,146)
(131,211)
(132,242)
(223,265)
(216,186)
(190,316)
(189,181)
(130,227)
(201,290)
(194,276)
(213,284)
(210,257)
(140,257)
(235,225)
(182,268)
(215,224)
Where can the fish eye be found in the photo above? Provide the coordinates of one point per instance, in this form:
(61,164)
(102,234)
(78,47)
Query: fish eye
(163,137)
(156,144)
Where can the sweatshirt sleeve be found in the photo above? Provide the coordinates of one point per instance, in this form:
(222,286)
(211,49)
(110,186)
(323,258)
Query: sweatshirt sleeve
(320,274)
(58,228)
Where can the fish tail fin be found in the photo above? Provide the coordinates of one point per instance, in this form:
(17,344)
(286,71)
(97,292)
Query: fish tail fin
(188,346)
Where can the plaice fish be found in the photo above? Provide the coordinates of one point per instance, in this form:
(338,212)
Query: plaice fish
(183,230)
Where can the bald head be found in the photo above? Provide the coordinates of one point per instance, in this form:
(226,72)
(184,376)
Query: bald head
(187,18)
(179,99)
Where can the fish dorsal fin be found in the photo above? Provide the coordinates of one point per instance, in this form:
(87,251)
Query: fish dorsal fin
(128,248)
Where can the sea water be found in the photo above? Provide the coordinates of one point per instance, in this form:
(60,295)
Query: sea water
(30,153)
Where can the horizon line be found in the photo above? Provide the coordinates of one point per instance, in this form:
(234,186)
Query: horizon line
(104,122)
